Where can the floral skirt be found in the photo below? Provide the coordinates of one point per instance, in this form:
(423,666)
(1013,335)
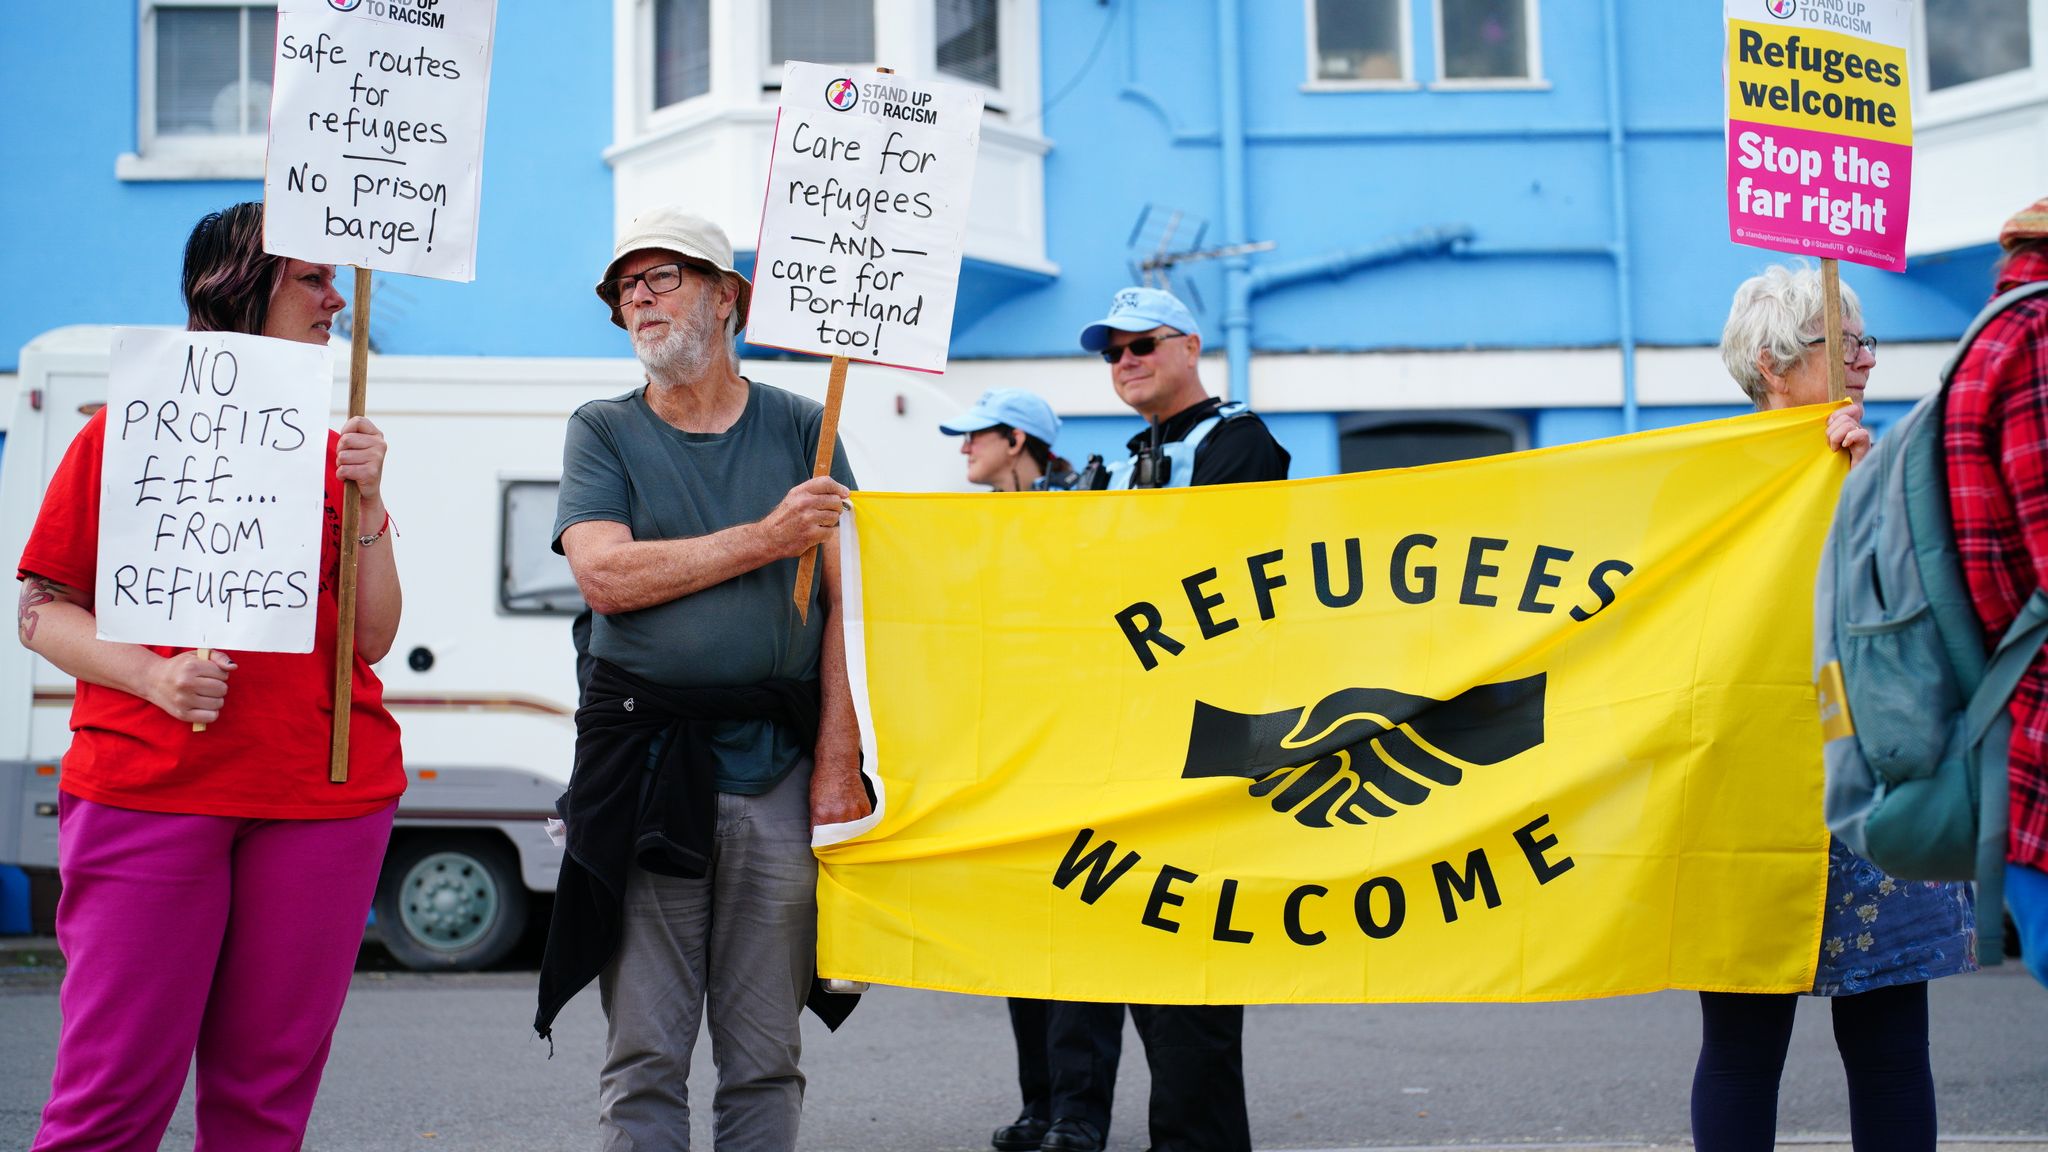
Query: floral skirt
(1879,931)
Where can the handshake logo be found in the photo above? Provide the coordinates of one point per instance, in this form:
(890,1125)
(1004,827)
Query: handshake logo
(1358,753)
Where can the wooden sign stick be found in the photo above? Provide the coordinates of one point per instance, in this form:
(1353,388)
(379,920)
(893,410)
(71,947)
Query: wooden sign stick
(1831,318)
(204,654)
(351,516)
(828,435)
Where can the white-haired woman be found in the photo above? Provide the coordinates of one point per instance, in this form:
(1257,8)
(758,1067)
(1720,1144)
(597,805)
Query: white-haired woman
(1882,939)
(1774,347)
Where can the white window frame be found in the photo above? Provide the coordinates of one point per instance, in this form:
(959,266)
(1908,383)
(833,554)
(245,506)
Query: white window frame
(1531,20)
(640,47)
(891,27)
(184,157)
(730,128)
(907,39)
(1012,26)
(1405,83)
(1985,97)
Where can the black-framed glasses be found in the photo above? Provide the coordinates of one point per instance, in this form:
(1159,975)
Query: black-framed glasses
(1850,344)
(1142,346)
(660,280)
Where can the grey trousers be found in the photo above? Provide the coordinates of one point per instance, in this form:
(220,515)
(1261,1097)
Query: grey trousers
(742,939)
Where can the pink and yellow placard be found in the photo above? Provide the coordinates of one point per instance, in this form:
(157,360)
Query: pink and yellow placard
(1820,128)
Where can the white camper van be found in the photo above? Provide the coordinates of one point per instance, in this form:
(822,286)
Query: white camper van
(482,676)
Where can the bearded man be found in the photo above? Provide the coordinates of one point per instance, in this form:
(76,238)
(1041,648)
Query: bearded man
(716,728)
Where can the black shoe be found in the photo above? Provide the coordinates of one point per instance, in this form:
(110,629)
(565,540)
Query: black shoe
(1023,1136)
(1068,1135)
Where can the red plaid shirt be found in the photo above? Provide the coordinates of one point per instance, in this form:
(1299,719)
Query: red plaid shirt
(1997,440)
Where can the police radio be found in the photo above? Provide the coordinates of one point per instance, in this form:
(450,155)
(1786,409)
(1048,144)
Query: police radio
(1151,467)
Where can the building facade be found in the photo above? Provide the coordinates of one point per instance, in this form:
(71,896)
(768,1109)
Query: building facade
(1412,229)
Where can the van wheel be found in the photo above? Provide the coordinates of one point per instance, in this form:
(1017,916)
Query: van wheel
(450,902)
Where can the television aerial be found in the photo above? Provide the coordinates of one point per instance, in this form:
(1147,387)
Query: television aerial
(1164,240)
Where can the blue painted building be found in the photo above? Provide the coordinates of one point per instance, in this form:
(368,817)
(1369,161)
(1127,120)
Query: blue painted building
(1492,223)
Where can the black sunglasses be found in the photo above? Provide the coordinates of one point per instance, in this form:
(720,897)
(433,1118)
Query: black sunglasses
(660,280)
(1142,346)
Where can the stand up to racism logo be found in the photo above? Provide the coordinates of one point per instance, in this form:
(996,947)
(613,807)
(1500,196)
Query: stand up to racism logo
(1782,9)
(842,94)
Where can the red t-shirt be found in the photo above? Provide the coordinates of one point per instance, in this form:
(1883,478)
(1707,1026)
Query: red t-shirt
(266,757)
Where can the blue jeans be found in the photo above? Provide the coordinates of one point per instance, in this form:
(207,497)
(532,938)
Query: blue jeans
(2026,897)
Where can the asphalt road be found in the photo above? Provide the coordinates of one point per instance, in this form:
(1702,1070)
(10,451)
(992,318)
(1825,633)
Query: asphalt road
(448,1062)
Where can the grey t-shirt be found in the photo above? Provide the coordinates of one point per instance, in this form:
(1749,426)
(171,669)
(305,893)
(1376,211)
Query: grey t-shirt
(623,463)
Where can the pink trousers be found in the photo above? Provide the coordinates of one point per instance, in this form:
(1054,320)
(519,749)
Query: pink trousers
(225,937)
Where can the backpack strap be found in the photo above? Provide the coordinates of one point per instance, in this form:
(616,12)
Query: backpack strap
(2009,661)
(1989,313)
(1932,530)
(1988,726)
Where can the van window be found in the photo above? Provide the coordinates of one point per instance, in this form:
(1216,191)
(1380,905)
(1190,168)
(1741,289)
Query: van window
(531,576)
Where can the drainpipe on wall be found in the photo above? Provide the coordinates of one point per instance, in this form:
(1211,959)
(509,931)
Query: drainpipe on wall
(1237,306)
(1240,282)
(1443,240)
(1617,175)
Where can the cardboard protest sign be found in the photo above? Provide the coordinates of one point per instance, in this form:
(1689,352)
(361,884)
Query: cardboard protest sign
(211,491)
(865,217)
(1820,127)
(377,133)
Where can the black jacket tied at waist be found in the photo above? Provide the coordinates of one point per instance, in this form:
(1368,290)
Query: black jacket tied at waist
(620,813)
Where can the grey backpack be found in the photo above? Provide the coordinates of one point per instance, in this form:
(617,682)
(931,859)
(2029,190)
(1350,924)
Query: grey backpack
(1913,712)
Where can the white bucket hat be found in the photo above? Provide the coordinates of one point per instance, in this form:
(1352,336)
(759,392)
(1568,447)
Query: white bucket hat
(697,240)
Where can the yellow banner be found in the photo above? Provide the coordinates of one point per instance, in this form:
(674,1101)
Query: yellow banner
(1802,77)
(1530,728)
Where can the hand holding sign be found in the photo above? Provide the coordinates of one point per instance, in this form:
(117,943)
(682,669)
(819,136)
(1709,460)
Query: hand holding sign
(359,457)
(807,517)
(192,686)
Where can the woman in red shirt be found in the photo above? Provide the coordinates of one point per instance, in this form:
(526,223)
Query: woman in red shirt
(215,882)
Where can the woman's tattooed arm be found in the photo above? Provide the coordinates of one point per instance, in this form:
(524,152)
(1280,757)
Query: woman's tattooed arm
(35,592)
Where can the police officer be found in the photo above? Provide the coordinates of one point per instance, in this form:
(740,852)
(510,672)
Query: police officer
(1008,438)
(1154,350)
(1196,1051)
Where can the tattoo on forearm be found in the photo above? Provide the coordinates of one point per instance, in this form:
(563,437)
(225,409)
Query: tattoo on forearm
(35,592)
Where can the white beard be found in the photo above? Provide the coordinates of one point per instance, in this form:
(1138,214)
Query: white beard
(688,346)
